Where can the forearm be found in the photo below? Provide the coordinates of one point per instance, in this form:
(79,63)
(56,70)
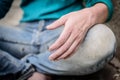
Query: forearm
(4,7)
(100,12)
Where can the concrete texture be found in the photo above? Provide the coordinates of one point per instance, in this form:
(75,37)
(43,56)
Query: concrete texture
(111,70)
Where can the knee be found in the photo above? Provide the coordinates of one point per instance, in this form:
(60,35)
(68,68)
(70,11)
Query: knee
(96,50)
(101,38)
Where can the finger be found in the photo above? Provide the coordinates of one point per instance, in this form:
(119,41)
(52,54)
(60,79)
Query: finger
(72,49)
(80,40)
(63,48)
(56,54)
(57,23)
(61,40)
(80,35)
(72,52)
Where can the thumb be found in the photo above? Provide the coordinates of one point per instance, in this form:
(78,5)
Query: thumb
(57,23)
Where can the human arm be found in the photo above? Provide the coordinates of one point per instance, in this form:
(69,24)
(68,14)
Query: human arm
(76,25)
(108,3)
(4,7)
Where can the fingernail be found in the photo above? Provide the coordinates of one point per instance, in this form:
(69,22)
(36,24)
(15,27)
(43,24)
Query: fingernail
(48,26)
(59,58)
(50,49)
(51,59)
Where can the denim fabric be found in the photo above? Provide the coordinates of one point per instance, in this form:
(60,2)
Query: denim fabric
(9,63)
(30,42)
(21,40)
(17,42)
(96,50)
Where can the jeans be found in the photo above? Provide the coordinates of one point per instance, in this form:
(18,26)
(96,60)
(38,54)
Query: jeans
(28,44)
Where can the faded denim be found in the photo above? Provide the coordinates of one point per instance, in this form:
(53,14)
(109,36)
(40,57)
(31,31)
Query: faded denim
(28,43)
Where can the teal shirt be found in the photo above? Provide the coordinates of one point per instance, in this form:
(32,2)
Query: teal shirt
(34,10)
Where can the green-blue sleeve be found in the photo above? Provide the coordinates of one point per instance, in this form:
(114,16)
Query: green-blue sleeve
(108,3)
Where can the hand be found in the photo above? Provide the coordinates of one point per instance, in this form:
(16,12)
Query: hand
(76,25)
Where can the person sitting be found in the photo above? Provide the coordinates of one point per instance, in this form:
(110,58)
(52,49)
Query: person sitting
(62,38)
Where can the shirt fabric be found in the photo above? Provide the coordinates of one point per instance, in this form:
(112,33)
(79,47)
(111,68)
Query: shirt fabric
(34,10)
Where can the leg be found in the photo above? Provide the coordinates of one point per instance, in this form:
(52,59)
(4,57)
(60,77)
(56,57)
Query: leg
(18,40)
(97,49)
(9,64)
(18,44)
(12,68)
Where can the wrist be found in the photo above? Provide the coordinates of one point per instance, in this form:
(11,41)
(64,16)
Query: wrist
(100,13)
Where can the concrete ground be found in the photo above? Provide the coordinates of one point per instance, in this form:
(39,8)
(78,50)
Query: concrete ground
(110,72)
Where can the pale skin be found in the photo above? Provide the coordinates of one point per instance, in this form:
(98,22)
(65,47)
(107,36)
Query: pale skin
(76,25)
